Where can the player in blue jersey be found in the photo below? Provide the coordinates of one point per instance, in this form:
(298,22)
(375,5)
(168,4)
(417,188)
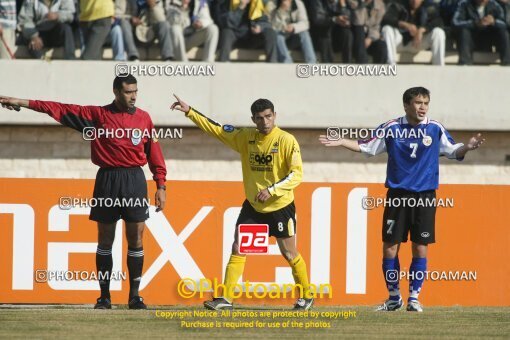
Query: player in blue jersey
(414,144)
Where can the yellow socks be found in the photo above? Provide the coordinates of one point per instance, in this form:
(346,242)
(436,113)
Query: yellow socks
(235,268)
(300,275)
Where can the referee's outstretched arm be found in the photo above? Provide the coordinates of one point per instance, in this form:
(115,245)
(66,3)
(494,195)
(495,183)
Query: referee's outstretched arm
(71,115)
(13,103)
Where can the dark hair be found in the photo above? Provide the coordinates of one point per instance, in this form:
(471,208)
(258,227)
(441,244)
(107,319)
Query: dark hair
(261,105)
(409,94)
(124,78)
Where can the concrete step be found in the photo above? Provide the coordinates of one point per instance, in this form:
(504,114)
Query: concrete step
(152,53)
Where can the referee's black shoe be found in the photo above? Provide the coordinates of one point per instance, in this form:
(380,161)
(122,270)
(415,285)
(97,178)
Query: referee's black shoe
(136,302)
(218,304)
(303,304)
(103,303)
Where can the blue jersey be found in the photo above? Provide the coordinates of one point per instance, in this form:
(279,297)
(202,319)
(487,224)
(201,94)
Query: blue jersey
(413,152)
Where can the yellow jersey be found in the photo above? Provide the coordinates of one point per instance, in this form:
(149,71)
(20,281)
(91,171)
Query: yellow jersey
(91,10)
(271,161)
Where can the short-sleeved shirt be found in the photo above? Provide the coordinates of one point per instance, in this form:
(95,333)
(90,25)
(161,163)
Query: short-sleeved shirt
(413,152)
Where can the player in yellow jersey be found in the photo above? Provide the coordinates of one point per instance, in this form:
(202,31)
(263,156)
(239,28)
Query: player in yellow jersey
(272,168)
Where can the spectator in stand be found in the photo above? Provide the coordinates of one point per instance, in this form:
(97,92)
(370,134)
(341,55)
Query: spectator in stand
(246,22)
(366,29)
(447,9)
(505,4)
(7,29)
(192,25)
(96,18)
(480,23)
(331,28)
(116,38)
(47,23)
(290,21)
(149,13)
(321,23)
(414,27)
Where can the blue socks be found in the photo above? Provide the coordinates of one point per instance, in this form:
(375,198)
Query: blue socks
(417,273)
(391,270)
(416,277)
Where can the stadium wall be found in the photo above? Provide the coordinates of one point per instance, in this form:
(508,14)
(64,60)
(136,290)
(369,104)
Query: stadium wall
(60,152)
(463,98)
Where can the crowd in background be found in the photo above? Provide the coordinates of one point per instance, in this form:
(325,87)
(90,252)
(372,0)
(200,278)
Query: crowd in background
(361,31)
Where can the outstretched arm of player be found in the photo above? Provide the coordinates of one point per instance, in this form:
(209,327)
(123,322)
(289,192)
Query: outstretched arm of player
(74,116)
(349,144)
(227,134)
(474,143)
(180,105)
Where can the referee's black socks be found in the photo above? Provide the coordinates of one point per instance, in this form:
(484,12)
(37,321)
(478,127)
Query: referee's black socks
(104,264)
(135,266)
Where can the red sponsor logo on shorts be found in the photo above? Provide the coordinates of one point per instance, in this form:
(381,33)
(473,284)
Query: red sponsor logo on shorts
(253,238)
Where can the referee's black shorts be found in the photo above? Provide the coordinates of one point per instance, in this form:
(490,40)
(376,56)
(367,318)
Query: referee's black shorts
(409,217)
(282,222)
(126,186)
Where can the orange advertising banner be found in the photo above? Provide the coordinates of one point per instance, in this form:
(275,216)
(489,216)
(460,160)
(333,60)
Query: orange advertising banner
(48,246)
